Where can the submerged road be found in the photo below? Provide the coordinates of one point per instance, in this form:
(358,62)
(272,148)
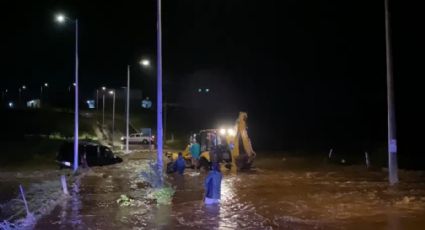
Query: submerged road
(281,193)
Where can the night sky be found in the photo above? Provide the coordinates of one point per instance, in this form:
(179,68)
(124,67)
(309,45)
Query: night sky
(309,73)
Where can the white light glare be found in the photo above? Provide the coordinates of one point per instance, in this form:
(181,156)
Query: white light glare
(60,18)
(145,62)
(231,132)
(222,131)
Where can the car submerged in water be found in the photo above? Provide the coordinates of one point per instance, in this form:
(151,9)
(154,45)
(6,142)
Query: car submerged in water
(95,154)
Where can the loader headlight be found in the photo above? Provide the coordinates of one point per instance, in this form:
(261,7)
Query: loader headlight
(223,131)
(231,132)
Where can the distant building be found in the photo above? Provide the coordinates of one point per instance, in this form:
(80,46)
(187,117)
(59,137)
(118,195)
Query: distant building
(34,104)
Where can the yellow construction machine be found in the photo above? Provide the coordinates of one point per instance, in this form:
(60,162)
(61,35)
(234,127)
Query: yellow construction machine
(231,147)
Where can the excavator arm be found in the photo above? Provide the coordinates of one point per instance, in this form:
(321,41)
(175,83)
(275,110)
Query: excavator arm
(242,153)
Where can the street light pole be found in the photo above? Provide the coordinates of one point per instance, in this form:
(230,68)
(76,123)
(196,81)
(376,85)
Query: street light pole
(76,100)
(113,115)
(127,116)
(392,140)
(61,19)
(103,109)
(159,91)
(97,103)
(20,97)
(41,92)
(4,94)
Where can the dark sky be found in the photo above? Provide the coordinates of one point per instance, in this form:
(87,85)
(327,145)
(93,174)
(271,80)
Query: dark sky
(306,71)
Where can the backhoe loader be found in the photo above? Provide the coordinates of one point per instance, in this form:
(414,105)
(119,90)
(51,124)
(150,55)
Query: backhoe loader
(231,147)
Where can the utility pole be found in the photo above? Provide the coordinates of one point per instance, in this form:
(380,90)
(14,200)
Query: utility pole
(392,140)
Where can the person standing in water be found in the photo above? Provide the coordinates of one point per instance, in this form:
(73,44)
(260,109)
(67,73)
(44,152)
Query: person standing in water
(213,185)
(195,151)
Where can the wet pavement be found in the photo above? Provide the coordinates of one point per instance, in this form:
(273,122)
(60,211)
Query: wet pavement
(281,193)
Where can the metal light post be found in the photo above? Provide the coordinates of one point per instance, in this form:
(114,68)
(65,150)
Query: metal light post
(159,91)
(103,106)
(41,91)
(61,19)
(145,63)
(4,95)
(127,116)
(392,140)
(20,95)
(112,92)
(97,101)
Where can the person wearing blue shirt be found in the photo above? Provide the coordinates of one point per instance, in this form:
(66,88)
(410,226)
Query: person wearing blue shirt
(180,164)
(195,151)
(213,185)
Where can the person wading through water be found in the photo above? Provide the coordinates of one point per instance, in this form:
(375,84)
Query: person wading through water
(213,185)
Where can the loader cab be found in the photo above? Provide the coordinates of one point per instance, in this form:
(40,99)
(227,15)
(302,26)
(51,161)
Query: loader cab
(209,139)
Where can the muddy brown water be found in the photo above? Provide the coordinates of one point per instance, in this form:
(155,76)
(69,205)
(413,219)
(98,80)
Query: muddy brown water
(281,193)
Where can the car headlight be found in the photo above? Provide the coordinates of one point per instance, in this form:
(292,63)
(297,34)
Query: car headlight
(66,163)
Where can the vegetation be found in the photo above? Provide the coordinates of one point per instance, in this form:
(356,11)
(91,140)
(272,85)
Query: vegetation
(161,192)
(31,138)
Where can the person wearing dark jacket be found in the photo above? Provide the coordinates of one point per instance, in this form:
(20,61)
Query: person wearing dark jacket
(213,185)
(180,164)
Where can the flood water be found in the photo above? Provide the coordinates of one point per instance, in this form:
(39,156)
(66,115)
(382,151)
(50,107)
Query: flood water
(280,193)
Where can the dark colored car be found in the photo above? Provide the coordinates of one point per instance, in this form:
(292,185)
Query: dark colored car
(96,154)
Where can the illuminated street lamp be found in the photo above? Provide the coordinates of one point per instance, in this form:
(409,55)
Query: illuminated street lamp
(61,18)
(41,90)
(4,95)
(145,62)
(20,94)
(69,87)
